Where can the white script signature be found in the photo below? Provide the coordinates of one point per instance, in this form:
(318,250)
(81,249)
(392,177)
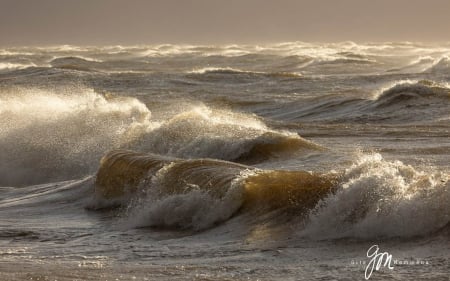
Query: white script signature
(376,261)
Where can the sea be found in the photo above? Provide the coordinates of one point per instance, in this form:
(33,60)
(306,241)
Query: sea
(287,161)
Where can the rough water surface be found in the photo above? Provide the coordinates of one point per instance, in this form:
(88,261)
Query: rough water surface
(235,162)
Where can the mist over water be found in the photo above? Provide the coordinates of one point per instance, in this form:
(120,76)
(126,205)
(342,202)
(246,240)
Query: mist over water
(223,162)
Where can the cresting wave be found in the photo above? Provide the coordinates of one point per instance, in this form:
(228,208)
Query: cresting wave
(74,63)
(234,71)
(198,193)
(410,101)
(221,134)
(441,65)
(401,101)
(406,89)
(14,66)
(379,198)
(372,198)
(60,134)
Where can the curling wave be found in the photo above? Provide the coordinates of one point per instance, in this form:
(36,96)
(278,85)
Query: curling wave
(205,132)
(372,198)
(406,90)
(198,193)
(379,198)
(402,101)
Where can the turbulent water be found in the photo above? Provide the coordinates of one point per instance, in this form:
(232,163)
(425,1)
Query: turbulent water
(237,162)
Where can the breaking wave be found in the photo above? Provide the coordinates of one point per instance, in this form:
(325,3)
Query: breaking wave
(372,198)
(379,198)
(234,71)
(14,66)
(60,134)
(198,193)
(205,132)
(410,90)
(440,66)
(409,102)
(402,101)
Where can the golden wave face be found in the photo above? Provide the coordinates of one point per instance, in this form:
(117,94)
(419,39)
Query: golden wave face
(212,176)
(124,172)
(278,145)
(287,189)
(121,171)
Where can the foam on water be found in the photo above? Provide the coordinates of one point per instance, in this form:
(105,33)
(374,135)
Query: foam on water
(197,193)
(13,66)
(440,66)
(195,207)
(380,198)
(221,154)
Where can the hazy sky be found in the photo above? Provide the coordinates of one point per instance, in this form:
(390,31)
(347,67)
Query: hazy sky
(87,22)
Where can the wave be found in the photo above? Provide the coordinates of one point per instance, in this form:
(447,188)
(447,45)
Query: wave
(421,64)
(380,198)
(199,193)
(290,59)
(343,60)
(403,91)
(402,101)
(74,63)
(14,66)
(218,70)
(440,66)
(60,134)
(372,198)
(234,71)
(213,133)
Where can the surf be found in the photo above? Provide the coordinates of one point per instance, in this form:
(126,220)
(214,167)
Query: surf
(372,198)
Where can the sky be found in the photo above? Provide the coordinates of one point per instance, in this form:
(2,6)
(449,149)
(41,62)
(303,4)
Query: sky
(110,22)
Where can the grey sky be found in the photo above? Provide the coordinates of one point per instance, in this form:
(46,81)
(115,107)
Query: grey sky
(44,22)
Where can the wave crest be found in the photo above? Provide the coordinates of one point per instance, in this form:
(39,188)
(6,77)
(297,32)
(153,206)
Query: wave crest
(212,133)
(372,198)
(407,90)
(234,71)
(198,193)
(441,65)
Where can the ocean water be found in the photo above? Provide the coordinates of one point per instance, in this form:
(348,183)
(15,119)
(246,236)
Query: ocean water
(234,162)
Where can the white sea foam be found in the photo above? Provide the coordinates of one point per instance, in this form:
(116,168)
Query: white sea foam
(380,198)
(12,66)
(440,66)
(194,208)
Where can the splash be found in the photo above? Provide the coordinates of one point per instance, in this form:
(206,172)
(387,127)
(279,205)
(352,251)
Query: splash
(379,198)
(60,134)
(213,133)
